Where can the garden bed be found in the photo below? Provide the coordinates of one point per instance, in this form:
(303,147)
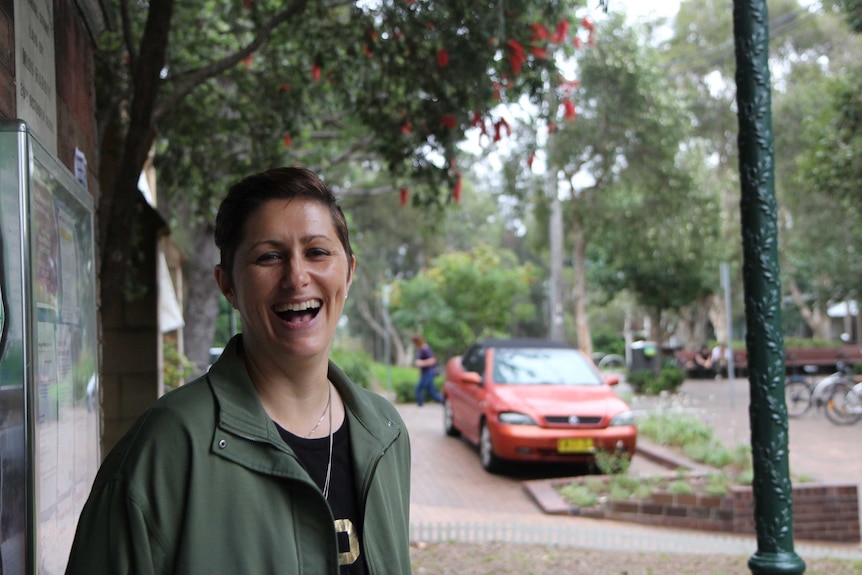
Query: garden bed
(822,511)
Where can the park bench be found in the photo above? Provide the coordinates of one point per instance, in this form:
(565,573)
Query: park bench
(821,359)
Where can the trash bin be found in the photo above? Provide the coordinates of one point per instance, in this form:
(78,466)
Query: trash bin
(644,356)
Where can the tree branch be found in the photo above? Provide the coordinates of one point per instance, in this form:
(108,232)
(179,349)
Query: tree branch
(196,78)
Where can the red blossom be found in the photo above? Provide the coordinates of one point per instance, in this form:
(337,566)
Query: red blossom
(517,56)
(366,50)
(569,108)
(449,121)
(247,61)
(499,125)
(576,42)
(561,32)
(284,87)
(287,140)
(530,159)
(496,94)
(442,57)
(456,191)
(539,53)
(402,199)
(247,3)
(315,72)
(406,128)
(586,23)
(552,127)
(539,32)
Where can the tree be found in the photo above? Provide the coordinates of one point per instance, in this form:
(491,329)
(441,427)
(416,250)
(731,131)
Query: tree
(464,296)
(246,84)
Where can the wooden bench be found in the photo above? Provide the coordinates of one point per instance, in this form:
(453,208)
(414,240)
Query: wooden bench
(824,359)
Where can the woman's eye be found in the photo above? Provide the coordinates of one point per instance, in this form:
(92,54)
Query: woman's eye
(317,252)
(268,257)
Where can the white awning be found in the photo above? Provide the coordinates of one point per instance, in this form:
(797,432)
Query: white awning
(840,309)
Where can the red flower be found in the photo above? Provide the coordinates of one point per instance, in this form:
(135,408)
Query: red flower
(496,94)
(315,72)
(456,191)
(247,3)
(449,121)
(569,108)
(406,128)
(402,196)
(442,57)
(247,61)
(498,127)
(587,24)
(284,87)
(539,53)
(552,127)
(560,34)
(539,32)
(530,159)
(576,42)
(366,50)
(288,141)
(517,57)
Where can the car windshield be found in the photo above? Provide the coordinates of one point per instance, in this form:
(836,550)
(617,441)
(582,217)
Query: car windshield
(535,366)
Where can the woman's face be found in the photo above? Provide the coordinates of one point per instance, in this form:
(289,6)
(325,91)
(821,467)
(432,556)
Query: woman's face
(289,279)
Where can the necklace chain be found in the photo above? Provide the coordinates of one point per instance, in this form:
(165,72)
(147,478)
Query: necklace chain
(329,464)
(325,409)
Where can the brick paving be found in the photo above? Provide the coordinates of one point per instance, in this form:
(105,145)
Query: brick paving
(453,498)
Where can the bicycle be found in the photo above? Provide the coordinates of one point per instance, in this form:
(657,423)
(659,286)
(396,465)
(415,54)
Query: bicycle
(844,406)
(800,394)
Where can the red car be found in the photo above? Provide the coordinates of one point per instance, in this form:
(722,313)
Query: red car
(534,401)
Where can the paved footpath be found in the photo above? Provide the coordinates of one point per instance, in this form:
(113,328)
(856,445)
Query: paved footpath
(453,498)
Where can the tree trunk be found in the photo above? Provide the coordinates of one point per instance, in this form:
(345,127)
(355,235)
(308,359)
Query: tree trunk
(117,205)
(579,292)
(815,319)
(202,300)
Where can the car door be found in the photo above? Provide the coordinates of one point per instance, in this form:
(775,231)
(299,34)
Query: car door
(472,398)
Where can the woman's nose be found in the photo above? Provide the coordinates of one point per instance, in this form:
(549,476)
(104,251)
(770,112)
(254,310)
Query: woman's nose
(295,273)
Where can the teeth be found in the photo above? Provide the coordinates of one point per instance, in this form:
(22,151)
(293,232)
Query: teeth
(301,306)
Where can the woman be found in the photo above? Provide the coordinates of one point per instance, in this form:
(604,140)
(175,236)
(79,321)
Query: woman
(274,461)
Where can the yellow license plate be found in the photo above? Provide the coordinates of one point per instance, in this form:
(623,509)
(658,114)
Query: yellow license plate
(575,445)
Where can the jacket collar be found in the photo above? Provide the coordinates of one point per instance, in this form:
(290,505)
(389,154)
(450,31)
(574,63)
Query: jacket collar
(240,408)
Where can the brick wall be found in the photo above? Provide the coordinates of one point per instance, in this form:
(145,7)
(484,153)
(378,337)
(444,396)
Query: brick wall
(821,512)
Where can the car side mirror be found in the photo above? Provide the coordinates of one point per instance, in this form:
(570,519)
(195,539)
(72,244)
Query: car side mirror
(471,377)
(612,379)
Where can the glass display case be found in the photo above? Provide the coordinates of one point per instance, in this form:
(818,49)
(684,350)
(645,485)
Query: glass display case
(49,384)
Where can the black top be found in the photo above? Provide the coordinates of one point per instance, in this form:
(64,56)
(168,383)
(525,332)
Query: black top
(314,456)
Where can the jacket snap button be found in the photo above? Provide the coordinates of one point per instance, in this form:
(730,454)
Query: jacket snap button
(391,424)
(222,443)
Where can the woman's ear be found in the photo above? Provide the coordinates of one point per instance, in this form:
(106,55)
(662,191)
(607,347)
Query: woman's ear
(225,284)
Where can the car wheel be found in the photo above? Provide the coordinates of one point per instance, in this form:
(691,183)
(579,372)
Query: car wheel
(448,421)
(490,462)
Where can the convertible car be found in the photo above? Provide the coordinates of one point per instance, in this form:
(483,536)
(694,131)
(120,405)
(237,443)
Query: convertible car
(534,401)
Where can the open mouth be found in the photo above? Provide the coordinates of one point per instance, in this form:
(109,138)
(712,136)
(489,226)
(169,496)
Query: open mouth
(299,312)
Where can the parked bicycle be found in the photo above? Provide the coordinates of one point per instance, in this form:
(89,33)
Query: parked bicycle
(844,405)
(801,394)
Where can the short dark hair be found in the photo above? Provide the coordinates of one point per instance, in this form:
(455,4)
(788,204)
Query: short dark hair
(250,193)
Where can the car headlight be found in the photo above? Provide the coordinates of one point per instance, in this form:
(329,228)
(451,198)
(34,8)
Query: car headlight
(624,418)
(515,418)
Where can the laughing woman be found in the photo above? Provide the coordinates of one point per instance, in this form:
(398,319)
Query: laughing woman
(274,461)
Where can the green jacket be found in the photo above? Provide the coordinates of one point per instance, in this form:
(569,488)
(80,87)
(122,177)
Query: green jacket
(204,484)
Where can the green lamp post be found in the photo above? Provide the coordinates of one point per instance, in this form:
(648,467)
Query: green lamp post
(773,494)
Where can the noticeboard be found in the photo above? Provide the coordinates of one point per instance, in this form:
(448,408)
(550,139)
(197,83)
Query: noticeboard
(49,361)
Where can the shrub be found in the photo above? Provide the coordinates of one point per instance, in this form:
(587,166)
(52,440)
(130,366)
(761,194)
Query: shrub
(580,495)
(355,364)
(647,382)
(176,367)
(404,384)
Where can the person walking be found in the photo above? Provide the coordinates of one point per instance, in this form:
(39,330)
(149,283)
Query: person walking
(427,364)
